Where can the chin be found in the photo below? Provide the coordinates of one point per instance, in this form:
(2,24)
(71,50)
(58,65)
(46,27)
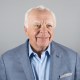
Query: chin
(43,45)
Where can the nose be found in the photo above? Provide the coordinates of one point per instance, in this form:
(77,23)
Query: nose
(43,29)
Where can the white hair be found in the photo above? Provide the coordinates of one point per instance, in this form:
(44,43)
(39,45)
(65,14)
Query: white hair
(38,8)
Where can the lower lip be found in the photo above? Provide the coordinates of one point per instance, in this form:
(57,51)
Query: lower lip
(43,37)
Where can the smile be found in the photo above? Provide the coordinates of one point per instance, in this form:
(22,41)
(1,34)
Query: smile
(43,37)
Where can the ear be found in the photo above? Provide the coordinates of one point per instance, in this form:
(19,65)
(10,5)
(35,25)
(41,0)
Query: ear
(26,31)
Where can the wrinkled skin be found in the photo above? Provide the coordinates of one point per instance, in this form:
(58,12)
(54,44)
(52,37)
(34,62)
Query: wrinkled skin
(40,30)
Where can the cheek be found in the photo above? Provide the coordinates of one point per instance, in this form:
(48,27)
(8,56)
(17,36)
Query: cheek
(32,35)
(52,34)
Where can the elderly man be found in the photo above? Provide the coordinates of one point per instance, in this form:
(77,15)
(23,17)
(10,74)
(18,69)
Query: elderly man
(40,58)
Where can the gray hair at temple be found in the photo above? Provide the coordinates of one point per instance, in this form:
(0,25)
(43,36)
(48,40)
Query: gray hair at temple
(38,8)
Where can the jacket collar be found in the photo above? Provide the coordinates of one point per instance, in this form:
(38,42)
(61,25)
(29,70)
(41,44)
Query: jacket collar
(55,61)
(25,62)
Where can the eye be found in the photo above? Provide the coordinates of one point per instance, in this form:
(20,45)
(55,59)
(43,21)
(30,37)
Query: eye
(37,25)
(49,25)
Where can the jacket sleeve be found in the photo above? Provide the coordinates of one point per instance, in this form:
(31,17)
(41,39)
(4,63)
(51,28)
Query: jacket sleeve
(2,69)
(77,69)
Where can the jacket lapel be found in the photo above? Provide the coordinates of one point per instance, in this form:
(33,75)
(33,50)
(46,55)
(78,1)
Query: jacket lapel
(54,62)
(24,59)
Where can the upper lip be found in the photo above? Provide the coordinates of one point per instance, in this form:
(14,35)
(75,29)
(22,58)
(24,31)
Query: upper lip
(42,37)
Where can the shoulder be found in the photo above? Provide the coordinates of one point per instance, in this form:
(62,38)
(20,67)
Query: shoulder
(65,51)
(13,53)
(17,50)
(67,55)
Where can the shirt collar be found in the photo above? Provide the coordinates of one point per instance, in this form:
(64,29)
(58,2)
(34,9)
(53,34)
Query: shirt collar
(31,51)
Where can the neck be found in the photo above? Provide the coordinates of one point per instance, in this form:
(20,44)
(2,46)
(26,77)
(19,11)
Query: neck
(39,51)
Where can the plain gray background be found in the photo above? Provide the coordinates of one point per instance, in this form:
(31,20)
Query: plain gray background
(12,22)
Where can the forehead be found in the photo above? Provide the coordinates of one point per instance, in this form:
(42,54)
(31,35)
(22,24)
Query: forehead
(40,15)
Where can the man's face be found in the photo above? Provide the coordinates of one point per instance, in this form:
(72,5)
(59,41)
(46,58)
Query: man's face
(40,29)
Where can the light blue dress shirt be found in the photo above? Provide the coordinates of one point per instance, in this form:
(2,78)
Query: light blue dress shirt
(40,66)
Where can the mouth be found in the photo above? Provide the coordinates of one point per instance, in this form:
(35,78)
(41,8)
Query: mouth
(43,38)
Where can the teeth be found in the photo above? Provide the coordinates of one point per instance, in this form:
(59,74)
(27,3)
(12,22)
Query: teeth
(43,37)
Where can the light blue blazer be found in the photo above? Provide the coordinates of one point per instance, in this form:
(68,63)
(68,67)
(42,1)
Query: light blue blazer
(64,63)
